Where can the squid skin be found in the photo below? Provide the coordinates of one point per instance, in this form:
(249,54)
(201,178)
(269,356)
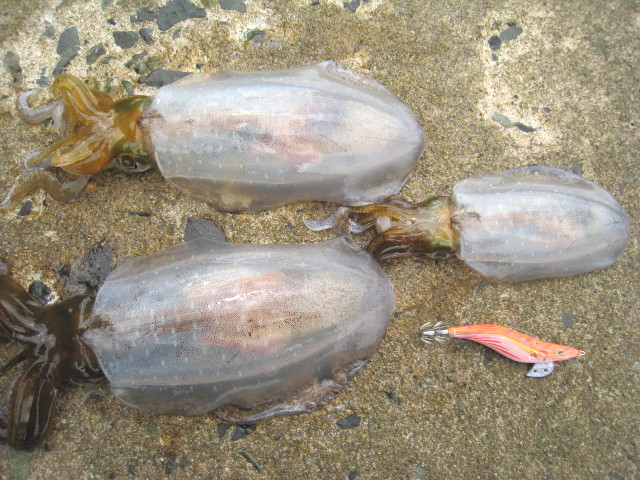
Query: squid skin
(240,141)
(202,326)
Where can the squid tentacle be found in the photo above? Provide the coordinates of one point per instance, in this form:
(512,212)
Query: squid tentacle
(83,103)
(34,115)
(32,401)
(30,181)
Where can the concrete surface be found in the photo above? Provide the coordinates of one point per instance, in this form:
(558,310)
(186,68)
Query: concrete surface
(570,83)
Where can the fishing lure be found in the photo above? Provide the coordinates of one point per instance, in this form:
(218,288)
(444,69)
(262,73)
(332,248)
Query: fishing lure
(521,224)
(506,341)
(279,329)
(241,141)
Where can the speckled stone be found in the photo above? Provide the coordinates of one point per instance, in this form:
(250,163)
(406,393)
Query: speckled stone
(125,39)
(94,53)
(202,228)
(68,41)
(510,33)
(162,77)
(11,62)
(235,5)
(350,421)
(495,42)
(176,11)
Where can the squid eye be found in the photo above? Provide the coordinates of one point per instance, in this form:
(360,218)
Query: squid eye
(132,162)
(127,162)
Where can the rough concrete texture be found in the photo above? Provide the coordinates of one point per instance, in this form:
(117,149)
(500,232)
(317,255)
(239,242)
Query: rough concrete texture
(568,86)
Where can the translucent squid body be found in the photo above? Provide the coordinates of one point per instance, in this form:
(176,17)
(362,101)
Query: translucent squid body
(241,141)
(282,328)
(509,226)
(508,342)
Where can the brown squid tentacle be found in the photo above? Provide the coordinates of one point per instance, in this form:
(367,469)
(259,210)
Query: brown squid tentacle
(18,310)
(83,103)
(30,181)
(34,161)
(31,404)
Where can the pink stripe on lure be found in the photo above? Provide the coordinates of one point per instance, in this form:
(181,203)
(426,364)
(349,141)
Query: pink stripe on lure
(512,344)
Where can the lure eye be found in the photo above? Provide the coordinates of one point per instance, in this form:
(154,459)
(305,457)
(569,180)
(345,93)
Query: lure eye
(131,163)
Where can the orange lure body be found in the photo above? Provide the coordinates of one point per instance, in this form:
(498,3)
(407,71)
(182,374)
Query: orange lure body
(513,344)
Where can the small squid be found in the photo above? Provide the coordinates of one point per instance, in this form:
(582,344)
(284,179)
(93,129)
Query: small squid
(241,141)
(521,224)
(514,345)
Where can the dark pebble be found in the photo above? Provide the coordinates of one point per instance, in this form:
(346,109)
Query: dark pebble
(106,3)
(130,212)
(502,119)
(147,35)
(567,319)
(222,429)
(125,39)
(315,3)
(94,53)
(131,469)
(576,167)
(25,209)
(143,15)
(96,397)
(546,110)
(176,11)
(162,77)
(43,82)
(111,21)
(68,41)
(135,59)
(256,36)
(128,86)
(64,62)
(524,128)
(47,447)
(352,6)
(510,33)
(41,292)
(11,62)
(49,31)
(249,458)
(112,475)
(598,42)
(237,5)
(495,43)
(481,286)
(350,421)
(201,228)
(242,431)
(90,275)
(353,474)
(392,397)
(173,464)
